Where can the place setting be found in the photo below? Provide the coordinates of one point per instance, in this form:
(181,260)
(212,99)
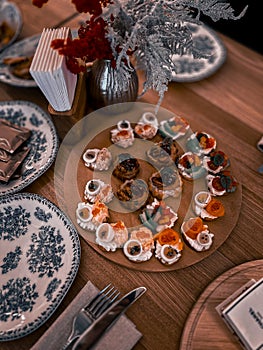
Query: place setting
(15,62)
(29,144)
(129,205)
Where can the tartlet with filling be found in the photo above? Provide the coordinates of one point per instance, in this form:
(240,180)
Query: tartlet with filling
(97,190)
(123,135)
(168,246)
(110,236)
(190,166)
(126,167)
(133,194)
(207,206)
(196,234)
(90,216)
(140,246)
(221,183)
(201,143)
(157,216)
(163,153)
(175,127)
(165,183)
(216,161)
(97,159)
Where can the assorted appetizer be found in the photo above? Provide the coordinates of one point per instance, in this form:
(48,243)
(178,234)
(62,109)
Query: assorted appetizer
(168,247)
(145,131)
(208,207)
(196,234)
(90,216)
(147,126)
(110,236)
(221,183)
(97,190)
(175,127)
(98,159)
(190,166)
(157,216)
(123,135)
(140,246)
(133,194)
(126,167)
(165,183)
(216,161)
(163,153)
(157,236)
(201,143)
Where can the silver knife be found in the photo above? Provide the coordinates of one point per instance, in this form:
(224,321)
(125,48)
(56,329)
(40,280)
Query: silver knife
(107,319)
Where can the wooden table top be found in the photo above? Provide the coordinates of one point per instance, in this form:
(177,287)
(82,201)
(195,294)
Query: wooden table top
(229,105)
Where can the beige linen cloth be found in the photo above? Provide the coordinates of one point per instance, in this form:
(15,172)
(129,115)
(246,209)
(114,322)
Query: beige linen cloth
(123,335)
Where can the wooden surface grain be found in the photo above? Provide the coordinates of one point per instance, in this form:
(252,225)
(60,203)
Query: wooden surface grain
(228,105)
(205,329)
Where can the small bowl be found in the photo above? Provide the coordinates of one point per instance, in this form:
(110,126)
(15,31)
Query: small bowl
(84,213)
(202,198)
(132,249)
(11,15)
(93,187)
(104,233)
(124,125)
(90,156)
(204,239)
(149,118)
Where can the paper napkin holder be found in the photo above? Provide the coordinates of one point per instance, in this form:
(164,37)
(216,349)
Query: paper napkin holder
(237,333)
(65,120)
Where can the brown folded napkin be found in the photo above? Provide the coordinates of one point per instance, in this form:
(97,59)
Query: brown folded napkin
(123,335)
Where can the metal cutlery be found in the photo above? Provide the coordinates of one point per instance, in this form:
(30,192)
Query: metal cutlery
(88,314)
(91,335)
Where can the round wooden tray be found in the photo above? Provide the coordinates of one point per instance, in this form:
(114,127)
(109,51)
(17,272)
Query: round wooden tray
(204,328)
(95,130)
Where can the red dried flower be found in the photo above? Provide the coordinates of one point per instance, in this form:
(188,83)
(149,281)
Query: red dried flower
(92,43)
(94,7)
(39,3)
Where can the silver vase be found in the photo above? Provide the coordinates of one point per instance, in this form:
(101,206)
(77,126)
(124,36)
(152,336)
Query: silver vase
(105,89)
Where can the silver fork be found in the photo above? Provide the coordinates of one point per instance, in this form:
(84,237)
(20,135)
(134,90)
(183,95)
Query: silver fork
(90,312)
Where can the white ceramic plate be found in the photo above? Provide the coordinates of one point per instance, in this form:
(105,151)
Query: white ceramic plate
(25,47)
(189,69)
(39,259)
(43,142)
(10,13)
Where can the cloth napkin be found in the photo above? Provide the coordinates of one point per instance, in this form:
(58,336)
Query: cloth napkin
(123,335)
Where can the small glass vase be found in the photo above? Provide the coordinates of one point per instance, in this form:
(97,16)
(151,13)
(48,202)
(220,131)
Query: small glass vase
(106,89)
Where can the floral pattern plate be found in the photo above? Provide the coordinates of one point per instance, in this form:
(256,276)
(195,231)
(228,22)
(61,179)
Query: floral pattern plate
(25,47)
(43,142)
(10,13)
(39,259)
(189,69)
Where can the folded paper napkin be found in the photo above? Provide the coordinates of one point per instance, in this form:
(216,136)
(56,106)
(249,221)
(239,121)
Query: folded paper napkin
(123,335)
(50,72)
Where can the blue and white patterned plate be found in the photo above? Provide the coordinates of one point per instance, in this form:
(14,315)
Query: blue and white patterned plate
(39,259)
(25,47)
(43,142)
(189,69)
(10,13)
